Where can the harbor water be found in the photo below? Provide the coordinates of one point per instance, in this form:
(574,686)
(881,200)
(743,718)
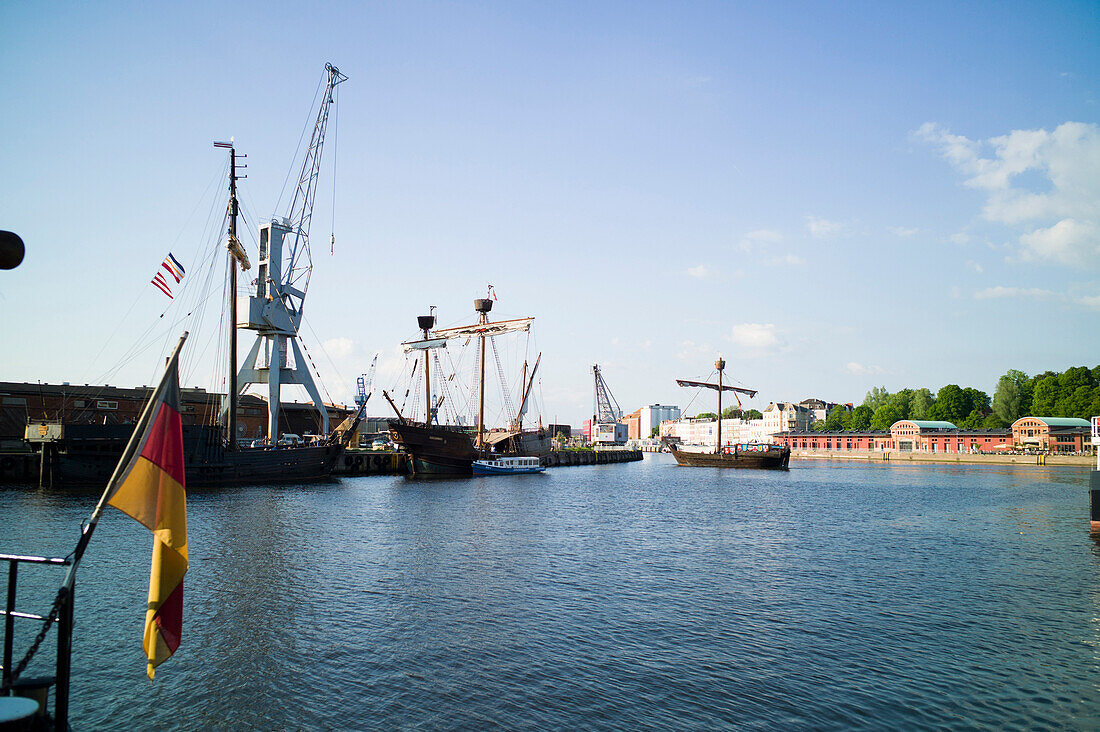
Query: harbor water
(631,596)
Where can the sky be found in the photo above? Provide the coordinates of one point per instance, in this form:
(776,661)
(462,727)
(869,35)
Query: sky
(833,196)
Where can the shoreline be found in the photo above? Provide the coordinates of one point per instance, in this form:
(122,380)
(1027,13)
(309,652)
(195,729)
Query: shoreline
(1078,461)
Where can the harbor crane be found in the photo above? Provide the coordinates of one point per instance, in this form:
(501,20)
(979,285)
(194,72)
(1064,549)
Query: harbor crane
(362,384)
(606,413)
(284,269)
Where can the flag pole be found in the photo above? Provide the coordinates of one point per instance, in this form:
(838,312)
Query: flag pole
(127,454)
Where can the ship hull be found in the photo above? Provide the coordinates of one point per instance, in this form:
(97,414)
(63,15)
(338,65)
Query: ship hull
(440,450)
(90,456)
(775,459)
(435,450)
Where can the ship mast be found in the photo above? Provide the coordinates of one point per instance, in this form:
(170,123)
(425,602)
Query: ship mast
(482,306)
(719,364)
(426,323)
(234,256)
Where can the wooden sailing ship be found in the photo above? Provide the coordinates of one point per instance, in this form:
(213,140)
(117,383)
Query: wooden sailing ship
(433,448)
(737,455)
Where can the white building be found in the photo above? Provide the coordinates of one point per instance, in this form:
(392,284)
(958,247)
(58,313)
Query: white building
(653,415)
(787,417)
(705,431)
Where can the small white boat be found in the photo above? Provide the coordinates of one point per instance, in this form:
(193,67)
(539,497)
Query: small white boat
(507,466)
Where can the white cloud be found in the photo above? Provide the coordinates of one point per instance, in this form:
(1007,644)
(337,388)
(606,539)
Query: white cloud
(1067,242)
(754,336)
(339,347)
(902,231)
(960,238)
(701,271)
(974,266)
(999,291)
(691,351)
(791,259)
(1057,203)
(823,228)
(860,370)
(1090,301)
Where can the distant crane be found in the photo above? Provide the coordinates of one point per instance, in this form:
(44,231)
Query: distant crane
(606,413)
(362,384)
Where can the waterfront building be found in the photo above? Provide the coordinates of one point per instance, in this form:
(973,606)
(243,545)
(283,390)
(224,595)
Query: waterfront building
(820,408)
(22,404)
(705,431)
(653,415)
(633,425)
(1053,434)
(1056,434)
(786,417)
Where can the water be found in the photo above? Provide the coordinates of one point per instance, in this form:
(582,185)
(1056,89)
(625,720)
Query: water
(633,596)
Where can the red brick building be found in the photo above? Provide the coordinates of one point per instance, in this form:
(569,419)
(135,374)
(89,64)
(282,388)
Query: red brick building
(1052,434)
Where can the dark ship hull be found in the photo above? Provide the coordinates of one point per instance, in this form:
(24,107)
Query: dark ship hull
(442,450)
(435,449)
(88,454)
(769,457)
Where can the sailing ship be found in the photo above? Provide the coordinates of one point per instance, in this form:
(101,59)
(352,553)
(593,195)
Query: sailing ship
(212,454)
(433,448)
(738,455)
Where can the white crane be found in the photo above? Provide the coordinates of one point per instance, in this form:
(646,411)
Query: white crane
(284,268)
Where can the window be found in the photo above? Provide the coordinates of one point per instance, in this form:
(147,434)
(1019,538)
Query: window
(15,401)
(106,405)
(78,403)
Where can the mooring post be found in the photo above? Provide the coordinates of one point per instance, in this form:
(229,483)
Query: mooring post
(1094,478)
(64,659)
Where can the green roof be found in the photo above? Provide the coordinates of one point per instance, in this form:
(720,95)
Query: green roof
(1063,421)
(932,424)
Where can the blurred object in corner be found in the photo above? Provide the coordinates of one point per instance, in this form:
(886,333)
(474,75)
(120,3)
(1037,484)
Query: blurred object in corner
(11,250)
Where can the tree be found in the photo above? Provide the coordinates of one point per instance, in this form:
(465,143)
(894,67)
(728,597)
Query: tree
(706,415)
(835,420)
(902,403)
(731,413)
(993,421)
(884,416)
(818,426)
(754,414)
(1010,396)
(861,417)
(921,404)
(978,399)
(876,397)
(973,420)
(952,404)
(1047,393)
(655,431)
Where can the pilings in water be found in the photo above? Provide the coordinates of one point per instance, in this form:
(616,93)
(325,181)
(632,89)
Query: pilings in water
(1094,498)
(375,462)
(566,458)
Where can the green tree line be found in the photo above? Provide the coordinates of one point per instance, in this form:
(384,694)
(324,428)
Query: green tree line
(1074,392)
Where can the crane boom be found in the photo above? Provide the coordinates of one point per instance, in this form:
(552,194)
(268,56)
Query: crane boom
(300,265)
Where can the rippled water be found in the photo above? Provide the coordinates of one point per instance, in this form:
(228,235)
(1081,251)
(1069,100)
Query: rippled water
(604,597)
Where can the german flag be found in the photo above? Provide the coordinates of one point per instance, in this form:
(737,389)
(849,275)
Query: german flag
(150,489)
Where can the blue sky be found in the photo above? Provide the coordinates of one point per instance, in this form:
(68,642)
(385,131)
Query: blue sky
(833,196)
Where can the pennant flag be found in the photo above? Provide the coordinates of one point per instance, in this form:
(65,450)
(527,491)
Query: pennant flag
(174,269)
(492,292)
(150,489)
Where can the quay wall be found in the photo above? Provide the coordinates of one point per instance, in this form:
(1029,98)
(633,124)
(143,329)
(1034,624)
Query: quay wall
(944,457)
(377,462)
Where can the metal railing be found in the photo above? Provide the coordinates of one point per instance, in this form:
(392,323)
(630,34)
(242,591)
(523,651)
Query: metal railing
(61,613)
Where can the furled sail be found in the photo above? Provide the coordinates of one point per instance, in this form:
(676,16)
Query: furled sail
(724,387)
(500,327)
